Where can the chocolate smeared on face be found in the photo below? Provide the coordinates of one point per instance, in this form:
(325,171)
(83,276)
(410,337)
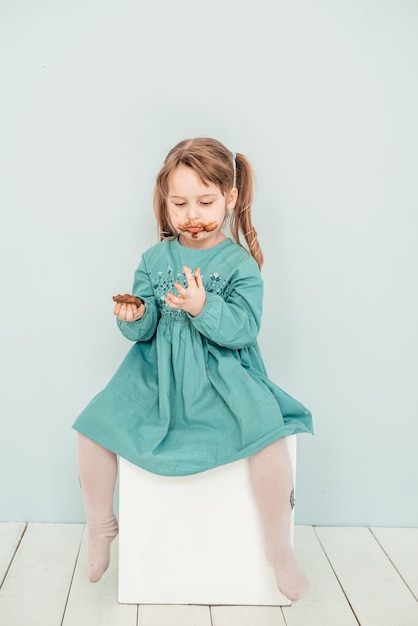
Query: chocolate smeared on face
(194,228)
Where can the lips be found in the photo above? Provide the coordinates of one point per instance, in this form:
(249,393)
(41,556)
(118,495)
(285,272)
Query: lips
(194,230)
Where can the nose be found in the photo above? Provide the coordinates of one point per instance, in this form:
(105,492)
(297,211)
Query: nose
(193,211)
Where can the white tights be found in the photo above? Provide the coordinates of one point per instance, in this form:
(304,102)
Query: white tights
(98,470)
(272,482)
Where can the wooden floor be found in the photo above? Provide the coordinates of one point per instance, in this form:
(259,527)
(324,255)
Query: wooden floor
(366,576)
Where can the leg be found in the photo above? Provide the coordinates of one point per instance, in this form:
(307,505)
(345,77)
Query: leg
(98,471)
(272,481)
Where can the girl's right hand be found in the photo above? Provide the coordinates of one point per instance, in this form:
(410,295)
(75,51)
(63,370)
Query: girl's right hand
(128,312)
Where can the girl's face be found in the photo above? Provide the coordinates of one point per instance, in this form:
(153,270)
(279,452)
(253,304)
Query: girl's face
(196,210)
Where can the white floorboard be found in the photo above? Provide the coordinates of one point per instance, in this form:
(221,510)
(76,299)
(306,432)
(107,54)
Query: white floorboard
(96,604)
(401,546)
(35,590)
(174,615)
(376,592)
(247,616)
(326,603)
(10,536)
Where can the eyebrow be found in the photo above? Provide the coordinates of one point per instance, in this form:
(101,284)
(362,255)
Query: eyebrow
(204,195)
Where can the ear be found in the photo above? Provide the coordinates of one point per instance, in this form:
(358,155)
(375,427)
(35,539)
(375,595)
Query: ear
(231,198)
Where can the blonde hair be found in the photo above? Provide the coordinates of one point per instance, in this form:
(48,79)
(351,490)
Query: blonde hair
(213,163)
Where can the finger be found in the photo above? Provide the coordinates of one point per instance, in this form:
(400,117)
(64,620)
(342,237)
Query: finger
(198,277)
(171,300)
(125,312)
(121,311)
(181,290)
(188,274)
(137,312)
(130,312)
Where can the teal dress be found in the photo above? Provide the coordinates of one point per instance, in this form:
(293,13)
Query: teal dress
(192,392)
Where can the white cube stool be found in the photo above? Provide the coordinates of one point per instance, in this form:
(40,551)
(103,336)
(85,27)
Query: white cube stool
(193,539)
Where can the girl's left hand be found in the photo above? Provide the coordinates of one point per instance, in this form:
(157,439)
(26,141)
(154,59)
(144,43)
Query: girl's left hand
(191,298)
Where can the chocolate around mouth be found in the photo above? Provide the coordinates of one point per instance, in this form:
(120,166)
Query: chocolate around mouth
(187,225)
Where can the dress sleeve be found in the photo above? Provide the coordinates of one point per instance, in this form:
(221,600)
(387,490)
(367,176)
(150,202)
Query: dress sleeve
(143,329)
(234,323)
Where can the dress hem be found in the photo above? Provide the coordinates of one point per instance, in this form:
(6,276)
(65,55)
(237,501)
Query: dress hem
(238,456)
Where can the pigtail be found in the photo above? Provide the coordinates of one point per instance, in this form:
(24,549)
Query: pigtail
(241,215)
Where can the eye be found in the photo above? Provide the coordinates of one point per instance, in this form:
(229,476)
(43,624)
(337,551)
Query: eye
(179,204)
(207,203)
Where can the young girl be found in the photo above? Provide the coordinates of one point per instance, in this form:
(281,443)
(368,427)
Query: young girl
(193,393)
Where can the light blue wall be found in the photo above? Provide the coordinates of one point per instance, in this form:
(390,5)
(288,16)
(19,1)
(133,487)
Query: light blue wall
(322,97)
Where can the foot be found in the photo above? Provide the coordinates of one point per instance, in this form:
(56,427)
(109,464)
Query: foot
(99,539)
(290,578)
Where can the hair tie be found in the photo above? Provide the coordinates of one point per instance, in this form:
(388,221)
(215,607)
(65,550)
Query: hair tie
(234,165)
